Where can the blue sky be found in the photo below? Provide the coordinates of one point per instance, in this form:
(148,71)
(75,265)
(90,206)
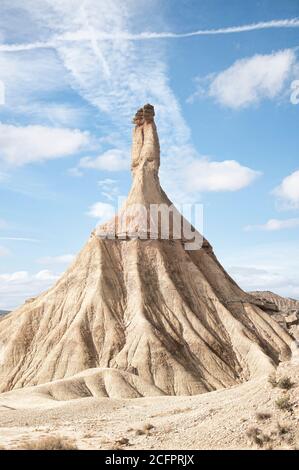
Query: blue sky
(72,73)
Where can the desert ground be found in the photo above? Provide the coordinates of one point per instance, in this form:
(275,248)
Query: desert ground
(256,414)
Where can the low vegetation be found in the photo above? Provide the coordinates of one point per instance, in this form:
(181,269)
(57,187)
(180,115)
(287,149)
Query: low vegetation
(283,429)
(257,437)
(263,416)
(122,441)
(284,403)
(145,429)
(285,383)
(50,443)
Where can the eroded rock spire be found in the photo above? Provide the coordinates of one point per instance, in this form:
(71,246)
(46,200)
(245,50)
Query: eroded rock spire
(145,147)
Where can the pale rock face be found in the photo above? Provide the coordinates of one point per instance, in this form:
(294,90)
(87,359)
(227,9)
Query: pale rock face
(147,315)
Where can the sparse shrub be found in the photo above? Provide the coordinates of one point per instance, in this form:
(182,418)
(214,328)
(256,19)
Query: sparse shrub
(148,427)
(285,383)
(283,403)
(282,429)
(263,416)
(272,380)
(122,441)
(50,443)
(144,430)
(257,437)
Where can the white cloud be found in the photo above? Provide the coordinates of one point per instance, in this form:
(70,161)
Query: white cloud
(250,80)
(109,188)
(258,278)
(288,190)
(101,211)
(75,172)
(56,114)
(111,160)
(229,175)
(116,74)
(20,239)
(274,224)
(62,259)
(18,286)
(270,266)
(22,145)
(45,275)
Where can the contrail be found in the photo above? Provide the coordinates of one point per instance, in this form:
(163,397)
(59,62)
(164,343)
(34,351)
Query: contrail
(88,36)
(20,239)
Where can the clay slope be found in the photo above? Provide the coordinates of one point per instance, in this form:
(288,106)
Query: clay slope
(156,317)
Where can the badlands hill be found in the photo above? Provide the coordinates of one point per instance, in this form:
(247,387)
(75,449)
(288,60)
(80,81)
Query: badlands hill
(283,309)
(282,304)
(144,313)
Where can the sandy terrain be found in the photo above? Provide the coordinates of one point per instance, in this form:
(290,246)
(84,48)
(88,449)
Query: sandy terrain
(215,420)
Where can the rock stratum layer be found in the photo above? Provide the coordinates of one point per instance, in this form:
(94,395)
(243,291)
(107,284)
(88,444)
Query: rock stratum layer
(148,315)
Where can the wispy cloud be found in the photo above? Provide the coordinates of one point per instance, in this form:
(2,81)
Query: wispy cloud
(269,266)
(29,77)
(116,71)
(20,239)
(274,225)
(18,286)
(111,160)
(90,35)
(109,188)
(101,211)
(61,259)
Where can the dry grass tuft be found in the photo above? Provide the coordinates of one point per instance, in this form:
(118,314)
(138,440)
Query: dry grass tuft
(49,443)
(148,426)
(145,429)
(263,416)
(283,429)
(283,403)
(257,437)
(122,441)
(285,383)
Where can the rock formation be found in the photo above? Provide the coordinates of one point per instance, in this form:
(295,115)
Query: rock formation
(149,315)
(284,310)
